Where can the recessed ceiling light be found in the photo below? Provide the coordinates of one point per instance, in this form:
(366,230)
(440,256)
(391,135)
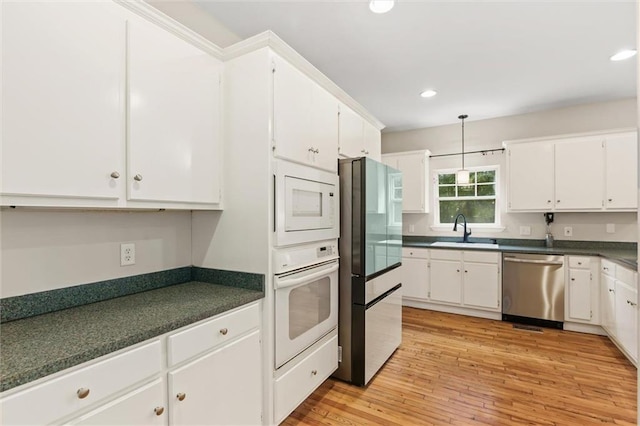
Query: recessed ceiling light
(381,6)
(428,93)
(624,54)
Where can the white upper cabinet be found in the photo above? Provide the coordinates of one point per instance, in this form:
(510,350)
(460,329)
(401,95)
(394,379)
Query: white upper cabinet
(357,137)
(173,118)
(579,174)
(102,108)
(582,173)
(62,102)
(621,153)
(305,119)
(414,166)
(531,176)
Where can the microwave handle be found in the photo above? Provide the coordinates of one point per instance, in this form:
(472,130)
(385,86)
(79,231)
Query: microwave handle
(292,282)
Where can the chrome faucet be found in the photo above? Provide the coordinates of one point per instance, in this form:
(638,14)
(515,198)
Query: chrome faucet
(465,238)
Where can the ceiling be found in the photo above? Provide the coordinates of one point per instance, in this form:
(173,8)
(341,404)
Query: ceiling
(484,58)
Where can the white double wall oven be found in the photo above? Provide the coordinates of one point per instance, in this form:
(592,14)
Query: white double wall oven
(306,260)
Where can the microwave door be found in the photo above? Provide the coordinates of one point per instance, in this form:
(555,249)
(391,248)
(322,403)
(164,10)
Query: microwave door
(309,205)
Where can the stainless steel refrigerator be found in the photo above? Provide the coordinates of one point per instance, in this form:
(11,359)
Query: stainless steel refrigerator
(370,246)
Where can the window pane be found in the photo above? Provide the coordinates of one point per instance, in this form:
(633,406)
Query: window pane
(467,191)
(476,211)
(472,177)
(447,191)
(487,176)
(487,189)
(447,178)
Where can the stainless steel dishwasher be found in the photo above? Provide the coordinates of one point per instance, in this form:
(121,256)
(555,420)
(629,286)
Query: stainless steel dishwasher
(533,289)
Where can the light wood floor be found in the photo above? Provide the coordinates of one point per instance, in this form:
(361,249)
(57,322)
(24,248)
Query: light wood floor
(461,370)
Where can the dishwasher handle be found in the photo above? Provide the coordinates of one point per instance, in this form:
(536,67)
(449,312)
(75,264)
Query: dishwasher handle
(537,262)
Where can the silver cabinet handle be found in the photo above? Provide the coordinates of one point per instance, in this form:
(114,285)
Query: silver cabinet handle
(541,262)
(631,303)
(137,178)
(83,393)
(115,175)
(224,331)
(314,372)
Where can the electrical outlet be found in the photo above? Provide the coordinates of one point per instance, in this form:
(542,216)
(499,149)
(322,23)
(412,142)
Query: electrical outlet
(568,231)
(525,230)
(127,254)
(412,228)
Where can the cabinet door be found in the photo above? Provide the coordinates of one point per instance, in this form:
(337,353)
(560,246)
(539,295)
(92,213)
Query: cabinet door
(531,176)
(608,303)
(580,303)
(324,129)
(445,280)
(174,118)
(415,278)
(413,183)
(627,318)
(63,101)
(579,174)
(292,98)
(621,171)
(481,285)
(143,406)
(372,141)
(350,133)
(221,388)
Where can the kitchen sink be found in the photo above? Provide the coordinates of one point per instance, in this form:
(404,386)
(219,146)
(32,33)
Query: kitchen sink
(464,245)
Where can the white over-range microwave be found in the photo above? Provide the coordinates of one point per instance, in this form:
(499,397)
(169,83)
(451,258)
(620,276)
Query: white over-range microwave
(306,204)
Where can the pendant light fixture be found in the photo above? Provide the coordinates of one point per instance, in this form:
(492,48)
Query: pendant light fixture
(381,6)
(462,176)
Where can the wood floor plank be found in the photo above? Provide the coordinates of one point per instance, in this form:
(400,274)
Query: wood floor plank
(452,369)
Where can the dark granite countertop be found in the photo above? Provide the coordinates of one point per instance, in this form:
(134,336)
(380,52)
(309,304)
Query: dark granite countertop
(45,344)
(622,253)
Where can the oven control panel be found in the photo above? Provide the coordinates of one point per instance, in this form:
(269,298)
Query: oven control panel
(303,255)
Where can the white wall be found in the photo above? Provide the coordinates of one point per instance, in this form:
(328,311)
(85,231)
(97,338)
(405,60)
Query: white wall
(489,134)
(46,250)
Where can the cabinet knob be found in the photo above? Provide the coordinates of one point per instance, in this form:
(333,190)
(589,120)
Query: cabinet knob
(610,199)
(83,393)
(181,396)
(457,270)
(137,178)
(549,201)
(605,268)
(579,263)
(115,175)
(557,201)
(224,331)
(158,411)
(317,150)
(314,372)
(611,290)
(632,303)
(311,149)
(363,151)
(573,279)
(465,271)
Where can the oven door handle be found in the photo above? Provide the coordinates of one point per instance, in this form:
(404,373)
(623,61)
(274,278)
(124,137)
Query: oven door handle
(292,282)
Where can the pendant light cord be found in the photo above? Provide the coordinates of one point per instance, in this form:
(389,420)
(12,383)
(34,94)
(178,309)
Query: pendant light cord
(462,117)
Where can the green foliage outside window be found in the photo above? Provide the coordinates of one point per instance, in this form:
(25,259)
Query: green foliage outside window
(476,200)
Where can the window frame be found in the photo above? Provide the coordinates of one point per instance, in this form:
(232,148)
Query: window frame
(436,197)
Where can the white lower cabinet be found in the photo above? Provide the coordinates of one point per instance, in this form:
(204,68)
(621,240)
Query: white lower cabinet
(414,273)
(468,278)
(582,298)
(216,385)
(619,299)
(221,388)
(296,383)
(143,406)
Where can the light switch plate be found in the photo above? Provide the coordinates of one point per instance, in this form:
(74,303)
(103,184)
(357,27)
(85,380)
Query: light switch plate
(611,228)
(525,230)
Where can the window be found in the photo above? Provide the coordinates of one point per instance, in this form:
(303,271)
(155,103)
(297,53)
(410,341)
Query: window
(395,199)
(476,200)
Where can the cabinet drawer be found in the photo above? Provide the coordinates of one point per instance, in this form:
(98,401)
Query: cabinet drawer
(298,383)
(418,253)
(445,254)
(607,267)
(196,340)
(580,262)
(625,275)
(51,400)
(481,256)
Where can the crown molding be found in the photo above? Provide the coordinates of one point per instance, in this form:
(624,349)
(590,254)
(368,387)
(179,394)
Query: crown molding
(154,15)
